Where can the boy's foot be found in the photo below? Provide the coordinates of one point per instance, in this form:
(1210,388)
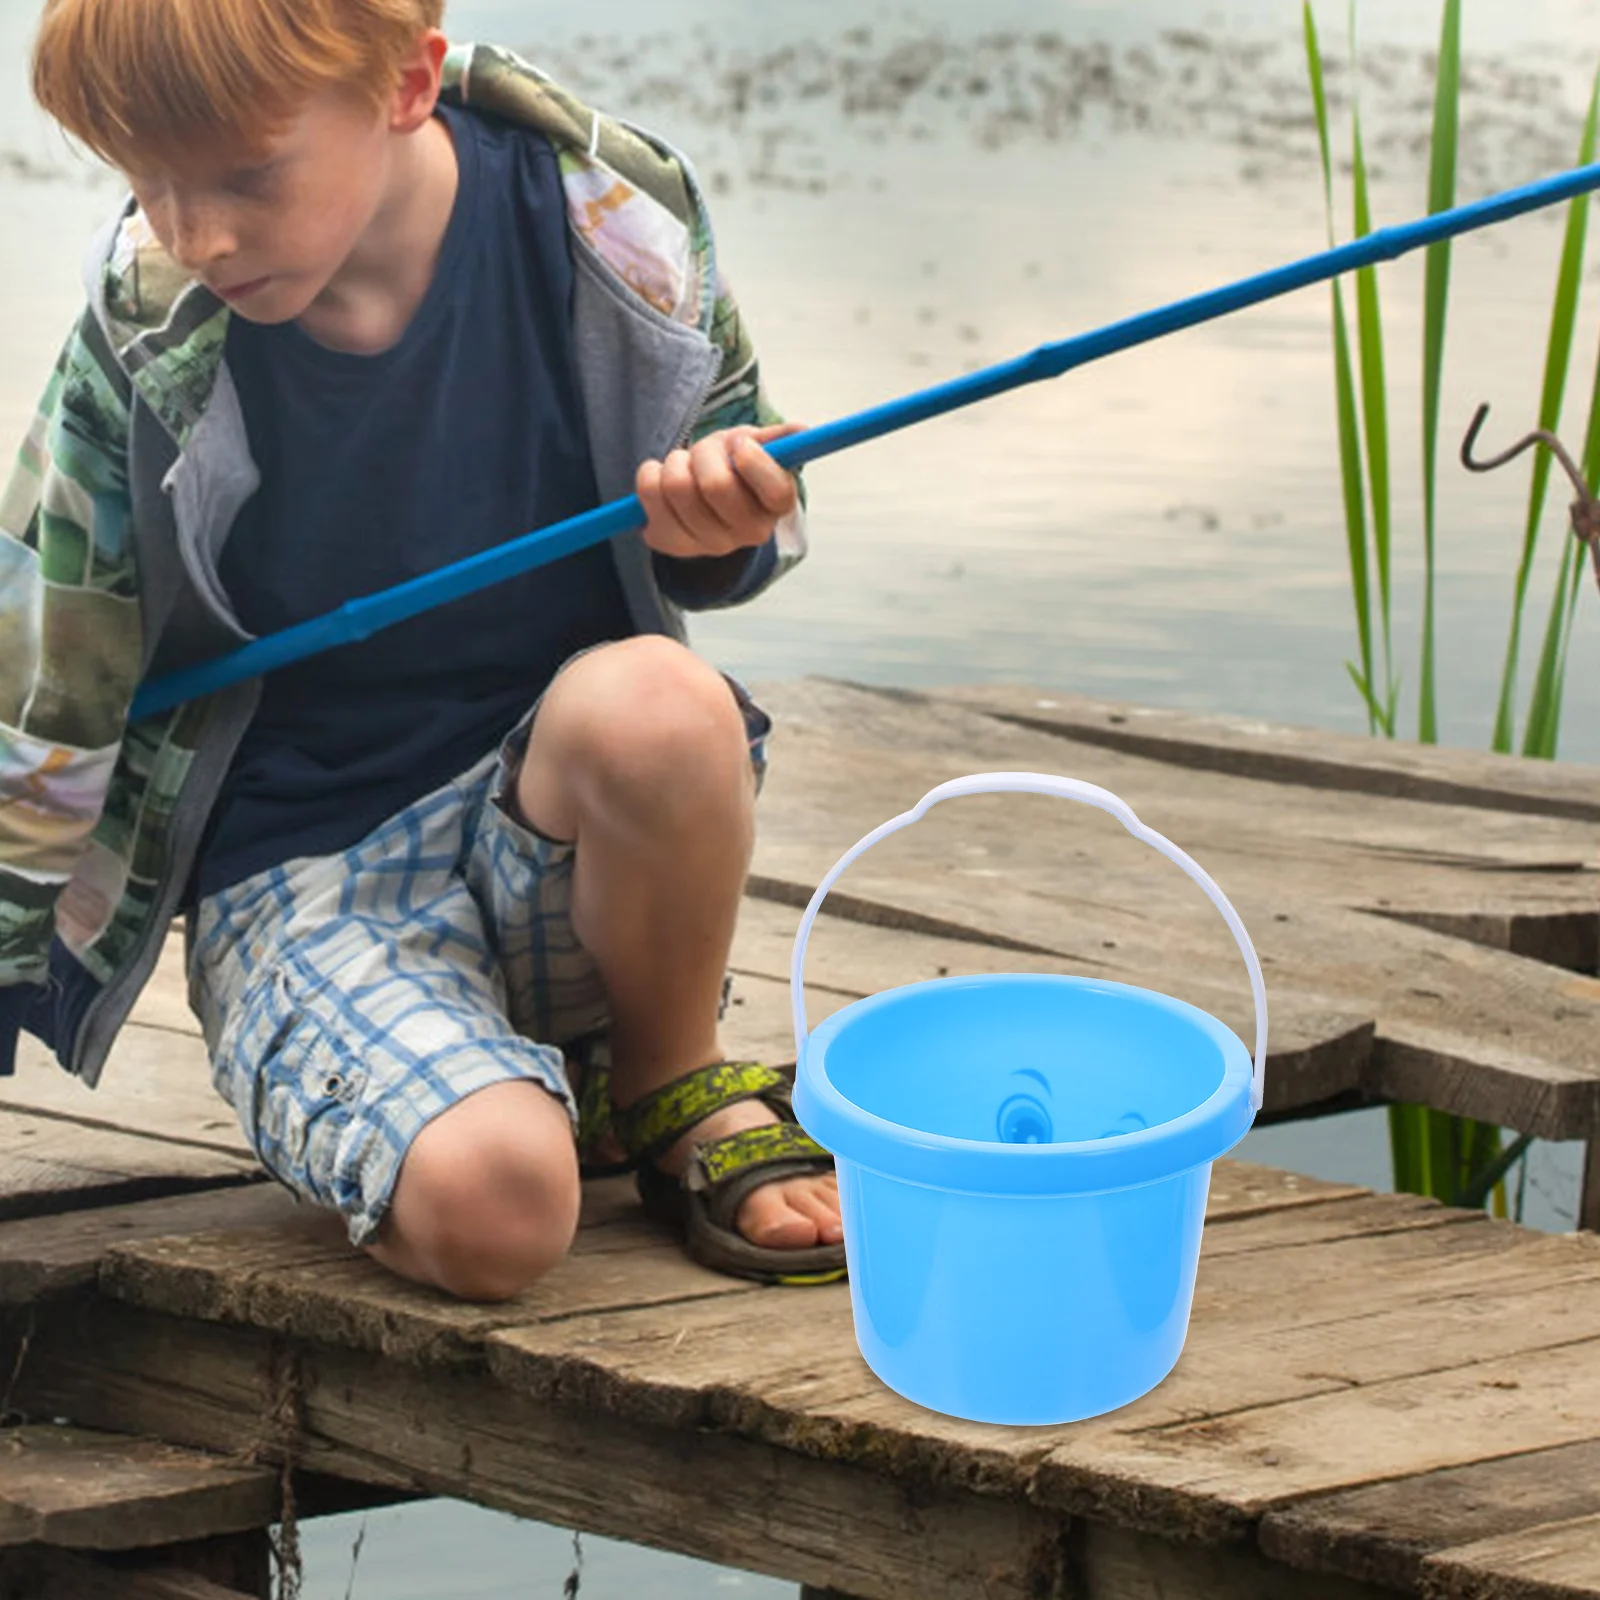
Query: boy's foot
(786,1214)
(719,1155)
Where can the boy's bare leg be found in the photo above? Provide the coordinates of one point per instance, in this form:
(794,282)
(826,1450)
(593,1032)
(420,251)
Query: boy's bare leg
(639,754)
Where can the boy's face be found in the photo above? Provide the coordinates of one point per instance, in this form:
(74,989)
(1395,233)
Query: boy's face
(269,232)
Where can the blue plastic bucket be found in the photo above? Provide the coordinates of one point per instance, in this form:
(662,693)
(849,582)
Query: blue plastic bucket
(1023,1164)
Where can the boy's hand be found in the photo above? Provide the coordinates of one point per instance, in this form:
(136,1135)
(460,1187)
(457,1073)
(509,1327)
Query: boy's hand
(720,495)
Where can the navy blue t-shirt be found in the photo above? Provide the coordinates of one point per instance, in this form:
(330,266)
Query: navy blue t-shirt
(375,469)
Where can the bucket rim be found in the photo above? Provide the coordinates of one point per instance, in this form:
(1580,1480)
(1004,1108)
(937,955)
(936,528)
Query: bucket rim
(991,1166)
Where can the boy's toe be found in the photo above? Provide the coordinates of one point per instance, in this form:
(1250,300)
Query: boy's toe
(818,1199)
(794,1215)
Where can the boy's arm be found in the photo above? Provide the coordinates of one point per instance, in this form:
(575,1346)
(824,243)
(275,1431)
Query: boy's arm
(736,399)
(69,650)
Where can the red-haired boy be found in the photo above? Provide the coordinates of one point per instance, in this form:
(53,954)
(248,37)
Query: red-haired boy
(376,304)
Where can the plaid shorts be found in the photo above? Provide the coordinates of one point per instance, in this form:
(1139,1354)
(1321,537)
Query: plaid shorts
(347,1000)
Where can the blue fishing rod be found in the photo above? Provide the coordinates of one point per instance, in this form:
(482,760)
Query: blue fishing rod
(359,619)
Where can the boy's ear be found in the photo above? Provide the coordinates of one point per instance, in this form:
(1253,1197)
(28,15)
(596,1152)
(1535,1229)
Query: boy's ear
(417,91)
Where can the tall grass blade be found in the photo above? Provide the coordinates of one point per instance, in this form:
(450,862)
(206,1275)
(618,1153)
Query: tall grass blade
(1590,467)
(1377,712)
(1444,1151)
(1539,734)
(1354,509)
(1408,1125)
(1591,444)
(1350,465)
(1542,735)
(1485,1166)
(1408,1148)
(1580,583)
(1436,297)
(1374,401)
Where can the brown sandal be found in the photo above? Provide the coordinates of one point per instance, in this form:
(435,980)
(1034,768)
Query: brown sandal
(705,1201)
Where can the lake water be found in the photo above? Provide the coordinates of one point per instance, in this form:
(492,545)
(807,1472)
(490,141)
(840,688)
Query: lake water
(905,193)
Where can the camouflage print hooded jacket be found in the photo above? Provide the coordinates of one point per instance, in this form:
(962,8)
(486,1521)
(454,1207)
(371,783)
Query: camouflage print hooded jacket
(130,479)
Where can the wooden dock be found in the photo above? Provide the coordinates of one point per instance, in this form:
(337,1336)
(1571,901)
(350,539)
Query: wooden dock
(1379,1395)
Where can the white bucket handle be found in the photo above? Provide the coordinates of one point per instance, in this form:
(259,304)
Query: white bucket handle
(1066,789)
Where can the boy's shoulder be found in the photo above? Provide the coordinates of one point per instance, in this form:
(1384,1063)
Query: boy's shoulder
(630,195)
(500,82)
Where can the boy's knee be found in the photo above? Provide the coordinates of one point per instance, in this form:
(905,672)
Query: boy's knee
(643,719)
(488,1195)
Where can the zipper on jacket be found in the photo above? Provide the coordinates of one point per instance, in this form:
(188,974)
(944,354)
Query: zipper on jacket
(693,413)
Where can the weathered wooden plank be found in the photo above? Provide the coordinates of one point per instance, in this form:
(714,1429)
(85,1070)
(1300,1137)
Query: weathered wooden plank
(1122,1564)
(723,1499)
(49,1254)
(157,1082)
(1322,883)
(447,1431)
(238,1561)
(330,1294)
(1357,1216)
(1518,1080)
(1314,1053)
(1223,1472)
(50,1163)
(1110,1563)
(1289,1322)
(1303,757)
(97,1491)
(1554,1561)
(839,752)
(1241,1189)
(297,1276)
(289,1270)
(31,1574)
(1262,1317)
(1560,939)
(153,1126)
(1383,1533)
(819,1520)
(1263,1320)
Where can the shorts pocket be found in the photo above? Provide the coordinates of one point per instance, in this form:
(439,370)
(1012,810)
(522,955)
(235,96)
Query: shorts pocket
(296,1088)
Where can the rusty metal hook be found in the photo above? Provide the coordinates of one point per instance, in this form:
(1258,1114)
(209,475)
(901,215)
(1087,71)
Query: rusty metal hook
(1585,509)
(1538,436)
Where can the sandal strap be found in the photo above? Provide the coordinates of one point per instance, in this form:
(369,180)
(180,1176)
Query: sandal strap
(654,1124)
(721,1172)
(722,1202)
(718,1160)
(594,1105)
(589,1071)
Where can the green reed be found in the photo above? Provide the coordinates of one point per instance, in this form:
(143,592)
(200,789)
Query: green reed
(1436,299)
(1353,468)
(1452,1158)
(1542,733)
